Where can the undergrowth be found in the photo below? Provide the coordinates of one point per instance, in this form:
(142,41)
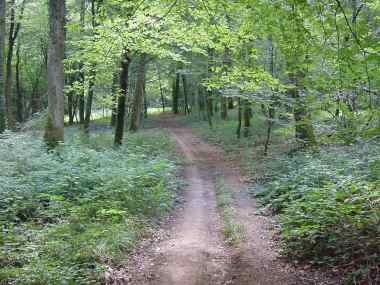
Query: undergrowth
(327,199)
(329,207)
(65,215)
(234,233)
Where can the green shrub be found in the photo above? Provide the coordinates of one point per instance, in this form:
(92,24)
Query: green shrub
(67,213)
(329,206)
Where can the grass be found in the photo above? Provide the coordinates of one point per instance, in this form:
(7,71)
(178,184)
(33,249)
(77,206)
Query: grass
(65,215)
(234,232)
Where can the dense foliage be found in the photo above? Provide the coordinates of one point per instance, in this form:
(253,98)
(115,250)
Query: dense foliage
(329,205)
(66,214)
(292,87)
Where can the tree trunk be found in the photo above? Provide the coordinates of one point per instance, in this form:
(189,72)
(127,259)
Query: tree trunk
(271,114)
(146,103)
(119,130)
(230,103)
(271,108)
(223,100)
(209,101)
(223,108)
(216,106)
(138,99)
(90,98)
(54,131)
(2,48)
(114,99)
(70,106)
(92,77)
(247,113)
(161,89)
(35,98)
(176,93)
(304,128)
(13,32)
(20,98)
(186,95)
(209,108)
(238,131)
(81,107)
(202,103)
(71,101)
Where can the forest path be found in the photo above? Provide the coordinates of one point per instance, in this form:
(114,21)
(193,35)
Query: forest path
(193,252)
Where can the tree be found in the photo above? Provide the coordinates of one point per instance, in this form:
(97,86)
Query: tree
(92,73)
(176,83)
(185,95)
(19,93)
(54,130)
(2,43)
(297,59)
(138,99)
(14,29)
(120,118)
(81,107)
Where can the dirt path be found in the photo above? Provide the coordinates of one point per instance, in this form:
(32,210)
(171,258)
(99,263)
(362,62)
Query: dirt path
(193,251)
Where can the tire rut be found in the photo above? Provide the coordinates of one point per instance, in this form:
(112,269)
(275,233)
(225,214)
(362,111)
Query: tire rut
(193,251)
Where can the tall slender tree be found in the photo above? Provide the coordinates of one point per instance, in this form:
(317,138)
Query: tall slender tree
(120,119)
(54,130)
(19,93)
(176,83)
(14,28)
(185,95)
(81,99)
(2,43)
(92,75)
(138,99)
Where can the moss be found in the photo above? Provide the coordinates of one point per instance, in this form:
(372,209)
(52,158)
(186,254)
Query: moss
(53,135)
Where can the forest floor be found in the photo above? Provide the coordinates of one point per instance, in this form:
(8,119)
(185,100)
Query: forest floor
(192,249)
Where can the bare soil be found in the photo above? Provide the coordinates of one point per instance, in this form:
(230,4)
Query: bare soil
(191,250)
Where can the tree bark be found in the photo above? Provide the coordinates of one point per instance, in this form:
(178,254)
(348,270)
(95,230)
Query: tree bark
(216,106)
(20,98)
(223,100)
(209,99)
(304,129)
(202,103)
(2,48)
(81,107)
(114,99)
(90,97)
(209,108)
(92,77)
(223,107)
(119,130)
(247,113)
(35,98)
(54,131)
(271,108)
(161,89)
(70,106)
(14,28)
(185,94)
(176,93)
(138,99)
(297,60)
(146,103)
(230,103)
(238,131)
